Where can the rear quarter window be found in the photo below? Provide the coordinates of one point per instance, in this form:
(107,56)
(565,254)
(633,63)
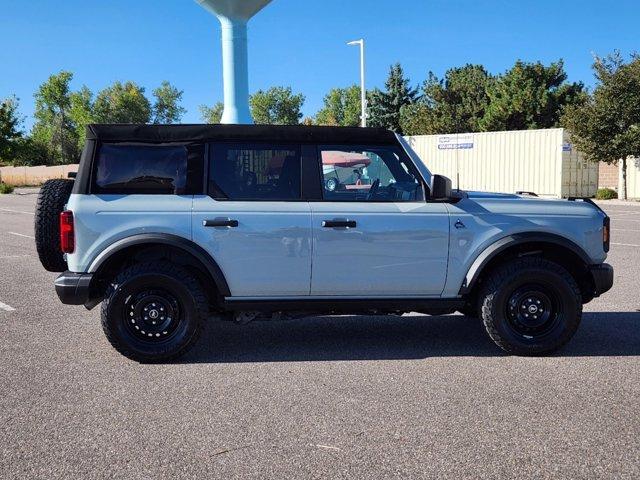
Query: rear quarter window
(148,169)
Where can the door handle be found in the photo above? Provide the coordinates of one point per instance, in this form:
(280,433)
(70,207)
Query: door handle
(220,222)
(339,223)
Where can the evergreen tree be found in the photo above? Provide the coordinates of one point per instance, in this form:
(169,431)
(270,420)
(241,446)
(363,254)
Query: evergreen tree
(530,95)
(454,104)
(385,106)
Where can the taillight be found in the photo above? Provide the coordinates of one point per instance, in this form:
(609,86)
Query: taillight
(67,234)
(606,233)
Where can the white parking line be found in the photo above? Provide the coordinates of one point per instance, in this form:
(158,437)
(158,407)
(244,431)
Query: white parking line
(13,256)
(22,235)
(625,230)
(16,211)
(626,244)
(6,308)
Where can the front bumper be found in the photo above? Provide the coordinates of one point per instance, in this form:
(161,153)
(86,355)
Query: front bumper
(73,288)
(602,276)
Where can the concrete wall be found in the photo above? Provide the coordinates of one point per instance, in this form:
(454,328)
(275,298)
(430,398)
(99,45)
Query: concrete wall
(34,175)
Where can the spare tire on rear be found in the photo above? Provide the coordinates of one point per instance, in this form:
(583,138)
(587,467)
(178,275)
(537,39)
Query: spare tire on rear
(52,198)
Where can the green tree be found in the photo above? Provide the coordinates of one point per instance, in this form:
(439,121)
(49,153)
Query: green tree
(606,127)
(53,128)
(454,104)
(212,114)
(29,151)
(385,106)
(341,107)
(530,95)
(277,106)
(418,119)
(10,128)
(81,113)
(122,103)
(166,107)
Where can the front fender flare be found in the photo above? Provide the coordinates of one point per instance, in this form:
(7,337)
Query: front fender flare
(509,241)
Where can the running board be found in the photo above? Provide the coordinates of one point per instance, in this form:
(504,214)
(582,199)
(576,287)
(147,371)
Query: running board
(342,305)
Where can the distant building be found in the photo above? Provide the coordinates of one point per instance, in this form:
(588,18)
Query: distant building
(539,161)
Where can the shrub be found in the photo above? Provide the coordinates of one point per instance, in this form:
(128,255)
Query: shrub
(4,188)
(606,194)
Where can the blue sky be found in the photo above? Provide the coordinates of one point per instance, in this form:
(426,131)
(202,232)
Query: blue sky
(300,43)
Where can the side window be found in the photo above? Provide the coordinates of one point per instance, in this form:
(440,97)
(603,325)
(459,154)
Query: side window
(147,169)
(254,172)
(368,174)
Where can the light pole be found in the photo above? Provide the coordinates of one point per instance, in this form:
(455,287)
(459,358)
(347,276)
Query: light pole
(363,91)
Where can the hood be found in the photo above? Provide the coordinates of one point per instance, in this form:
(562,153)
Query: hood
(514,204)
(473,194)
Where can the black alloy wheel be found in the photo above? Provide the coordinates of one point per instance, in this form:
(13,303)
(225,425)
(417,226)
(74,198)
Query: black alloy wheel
(152,315)
(533,311)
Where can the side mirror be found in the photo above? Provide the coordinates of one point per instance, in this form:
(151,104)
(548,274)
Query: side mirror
(441,188)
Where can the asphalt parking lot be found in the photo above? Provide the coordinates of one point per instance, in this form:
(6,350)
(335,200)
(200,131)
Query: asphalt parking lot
(338,397)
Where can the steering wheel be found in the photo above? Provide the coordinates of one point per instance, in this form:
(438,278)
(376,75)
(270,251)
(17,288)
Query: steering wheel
(373,190)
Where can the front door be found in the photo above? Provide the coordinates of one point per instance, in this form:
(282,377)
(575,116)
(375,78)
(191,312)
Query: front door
(253,221)
(374,235)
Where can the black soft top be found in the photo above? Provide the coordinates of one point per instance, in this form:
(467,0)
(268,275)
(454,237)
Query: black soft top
(270,133)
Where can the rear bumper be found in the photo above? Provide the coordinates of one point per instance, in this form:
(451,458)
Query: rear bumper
(602,278)
(73,288)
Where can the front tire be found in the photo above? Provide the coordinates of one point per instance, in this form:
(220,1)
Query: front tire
(153,312)
(530,306)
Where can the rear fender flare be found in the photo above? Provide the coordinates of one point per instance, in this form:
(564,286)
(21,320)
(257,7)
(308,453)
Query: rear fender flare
(188,246)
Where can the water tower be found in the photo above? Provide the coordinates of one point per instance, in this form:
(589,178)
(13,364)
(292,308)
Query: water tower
(233,16)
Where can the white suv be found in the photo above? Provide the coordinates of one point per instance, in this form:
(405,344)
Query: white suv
(169,226)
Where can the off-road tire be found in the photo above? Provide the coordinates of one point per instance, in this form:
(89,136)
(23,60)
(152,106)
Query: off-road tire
(153,276)
(52,198)
(499,301)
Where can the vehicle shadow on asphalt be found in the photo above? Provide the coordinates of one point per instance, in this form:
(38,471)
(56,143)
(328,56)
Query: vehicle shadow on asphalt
(394,338)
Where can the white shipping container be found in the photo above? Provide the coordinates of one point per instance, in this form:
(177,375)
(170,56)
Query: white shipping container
(633,177)
(540,161)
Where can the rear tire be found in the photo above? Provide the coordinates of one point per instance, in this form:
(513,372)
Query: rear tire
(153,312)
(52,198)
(530,306)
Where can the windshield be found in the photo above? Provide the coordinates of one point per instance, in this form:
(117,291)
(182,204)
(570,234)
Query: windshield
(420,165)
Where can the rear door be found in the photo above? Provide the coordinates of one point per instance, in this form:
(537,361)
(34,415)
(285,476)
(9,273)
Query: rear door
(373,232)
(253,220)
